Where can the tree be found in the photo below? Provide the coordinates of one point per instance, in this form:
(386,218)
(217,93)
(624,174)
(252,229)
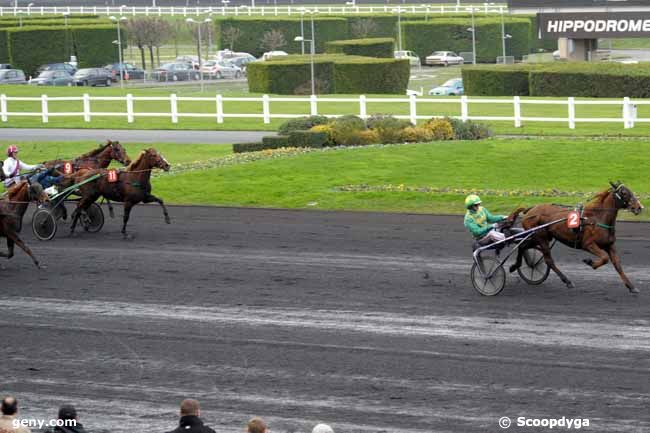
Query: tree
(137,35)
(363,28)
(229,36)
(272,40)
(158,32)
(207,35)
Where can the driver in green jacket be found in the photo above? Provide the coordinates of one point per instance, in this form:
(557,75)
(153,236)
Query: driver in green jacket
(480,222)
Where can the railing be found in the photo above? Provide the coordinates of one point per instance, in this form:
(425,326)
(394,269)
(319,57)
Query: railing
(245,10)
(628,113)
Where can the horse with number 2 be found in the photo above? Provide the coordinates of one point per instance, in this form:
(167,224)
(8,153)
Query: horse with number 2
(590,228)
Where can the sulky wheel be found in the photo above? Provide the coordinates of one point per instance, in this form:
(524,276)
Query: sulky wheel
(92,218)
(497,277)
(43,224)
(533,269)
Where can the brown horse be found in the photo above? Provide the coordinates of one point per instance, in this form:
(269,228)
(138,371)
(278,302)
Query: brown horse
(12,209)
(100,157)
(132,186)
(597,232)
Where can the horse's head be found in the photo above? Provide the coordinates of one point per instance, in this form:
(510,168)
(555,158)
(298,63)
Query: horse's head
(118,153)
(625,199)
(157,160)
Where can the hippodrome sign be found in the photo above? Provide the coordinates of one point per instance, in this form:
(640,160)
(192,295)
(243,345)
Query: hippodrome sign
(576,4)
(594,25)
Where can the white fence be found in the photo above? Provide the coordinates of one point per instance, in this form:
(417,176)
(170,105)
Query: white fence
(245,10)
(628,108)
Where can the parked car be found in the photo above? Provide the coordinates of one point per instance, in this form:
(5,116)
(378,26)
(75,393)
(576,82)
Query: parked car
(175,72)
(413,58)
(129,71)
(93,77)
(12,76)
(451,87)
(57,67)
(52,78)
(444,58)
(221,69)
(270,54)
(5,66)
(193,61)
(242,61)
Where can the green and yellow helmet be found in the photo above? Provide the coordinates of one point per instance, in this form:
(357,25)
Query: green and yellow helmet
(471,200)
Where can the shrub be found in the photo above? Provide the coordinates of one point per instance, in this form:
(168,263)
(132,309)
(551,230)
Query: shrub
(371,75)
(4,49)
(30,47)
(275,141)
(247,147)
(479,131)
(441,129)
(345,130)
(367,136)
(386,121)
(301,124)
(93,45)
(328,131)
(286,76)
(468,130)
(416,134)
(311,139)
(499,80)
(370,47)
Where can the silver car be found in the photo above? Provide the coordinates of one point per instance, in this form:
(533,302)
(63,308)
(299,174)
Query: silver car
(12,76)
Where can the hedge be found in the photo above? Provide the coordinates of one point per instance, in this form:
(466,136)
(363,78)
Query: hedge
(311,139)
(4,48)
(252,30)
(334,74)
(370,47)
(383,26)
(30,47)
(247,147)
(94,46)
(58,22)
(425,37)
(275,141)
(497,80)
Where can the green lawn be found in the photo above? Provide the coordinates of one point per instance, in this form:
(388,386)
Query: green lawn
(210,123)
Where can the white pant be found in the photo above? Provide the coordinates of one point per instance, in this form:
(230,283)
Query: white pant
(491,237)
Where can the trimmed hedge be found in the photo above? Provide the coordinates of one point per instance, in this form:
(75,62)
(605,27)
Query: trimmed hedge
(425,37)
(383,26)
(499,80)
(275,141)
(252,30)
(30,47)
(334,74)
(311,139)
(55,23)
(4,48)
(247,147)
(94,46)
(370,47)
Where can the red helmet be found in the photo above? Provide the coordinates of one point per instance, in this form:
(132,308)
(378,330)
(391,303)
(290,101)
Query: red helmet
(12,149)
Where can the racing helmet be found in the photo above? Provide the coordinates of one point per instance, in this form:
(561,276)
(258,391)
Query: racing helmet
(12,149)
(471,200)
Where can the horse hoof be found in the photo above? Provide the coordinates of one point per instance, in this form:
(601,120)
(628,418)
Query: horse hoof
(168,220)
(570,285)
(513,268)
(634,290)
(588,262)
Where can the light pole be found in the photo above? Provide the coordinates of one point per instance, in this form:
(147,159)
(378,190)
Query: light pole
(302,31)
(29,9)
(312,42)
(20,18)
(473,30)
(66,53)
(398,10)
(119,47)
(199,24)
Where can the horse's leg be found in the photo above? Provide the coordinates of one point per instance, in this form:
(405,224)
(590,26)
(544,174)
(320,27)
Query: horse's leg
(10,249)
(616,261)
(149,198)
(596,251)
(111,212)
(546,250)
(14,237)
(127,212)
(517,264)
(84,204)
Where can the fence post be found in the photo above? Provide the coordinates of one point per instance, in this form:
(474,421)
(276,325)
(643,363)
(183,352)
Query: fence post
(362,106)
(266,109)
(173,100)
(572,112)
(129,108)
(516,101)
(413,109)
(86,107)
(44,111)
(219,109)
(3,107)
(313,105)
(464,109)
(626,113)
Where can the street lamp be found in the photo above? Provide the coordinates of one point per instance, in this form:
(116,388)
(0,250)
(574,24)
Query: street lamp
(29,9)
(473,30)
(119,46)
(312,42)
(504,36)
(20,18)
(302,31)
(199,24)
(399,10)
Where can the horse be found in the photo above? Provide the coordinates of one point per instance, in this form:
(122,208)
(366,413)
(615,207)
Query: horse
(596,234)
(13,206)
(131,187)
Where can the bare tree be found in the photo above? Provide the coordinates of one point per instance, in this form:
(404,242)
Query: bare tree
(158,32)
(272,40)
(229,36)
(137,30)
(363,28)
(207,36)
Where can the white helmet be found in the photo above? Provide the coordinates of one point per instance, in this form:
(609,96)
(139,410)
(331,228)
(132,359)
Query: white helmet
(322,428)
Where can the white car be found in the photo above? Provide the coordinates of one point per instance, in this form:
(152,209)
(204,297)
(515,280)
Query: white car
(444,58)
(221,69)
(413,58)
(270,54)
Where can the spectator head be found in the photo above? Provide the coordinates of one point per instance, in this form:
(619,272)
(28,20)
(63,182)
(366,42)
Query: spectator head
(189,407)
(67,411)
(322,428)
(9,405)
(256,425)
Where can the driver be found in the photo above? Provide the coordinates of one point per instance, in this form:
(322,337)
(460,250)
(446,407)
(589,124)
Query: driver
(481,223)
(12,166)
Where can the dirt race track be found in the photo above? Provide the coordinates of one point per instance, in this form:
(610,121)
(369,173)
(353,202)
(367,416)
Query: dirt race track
(365,321)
